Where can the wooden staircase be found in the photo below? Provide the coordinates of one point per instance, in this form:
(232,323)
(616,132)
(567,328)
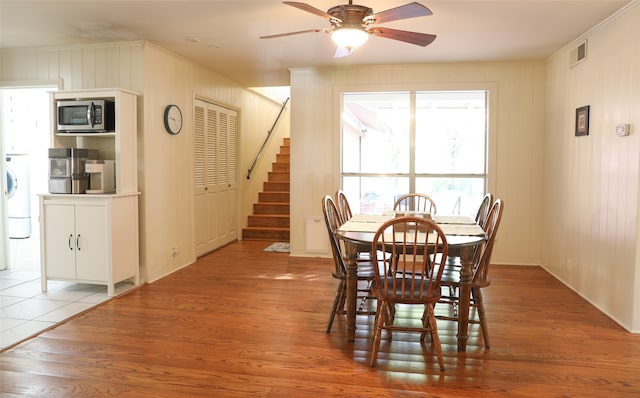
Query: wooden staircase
(270,218)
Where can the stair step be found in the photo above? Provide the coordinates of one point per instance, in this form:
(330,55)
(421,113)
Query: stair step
(269,186)
(278,176)
(270,208)
(269,220)
(281,167)
(262,233)
(273,197)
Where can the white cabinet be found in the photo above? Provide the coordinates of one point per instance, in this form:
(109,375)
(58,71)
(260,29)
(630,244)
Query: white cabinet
(89,239)
(93,238)
(76,241)
(119,145)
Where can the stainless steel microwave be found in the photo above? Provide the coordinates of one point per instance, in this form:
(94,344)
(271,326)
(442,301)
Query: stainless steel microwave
(90,116)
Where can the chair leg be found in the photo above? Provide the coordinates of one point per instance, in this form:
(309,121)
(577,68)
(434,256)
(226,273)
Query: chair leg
(390,317)
(392,311)
(343,296)
(435,338)
(477,295)
(425,322)
(336,304)
(377,332)
(365,297)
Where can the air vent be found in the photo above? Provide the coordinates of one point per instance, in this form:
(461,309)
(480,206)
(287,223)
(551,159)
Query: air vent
(579,53)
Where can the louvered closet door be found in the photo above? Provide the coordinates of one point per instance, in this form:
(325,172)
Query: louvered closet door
(215,176)
(227,175)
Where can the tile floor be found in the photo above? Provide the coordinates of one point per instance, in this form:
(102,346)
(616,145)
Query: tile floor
(25,310)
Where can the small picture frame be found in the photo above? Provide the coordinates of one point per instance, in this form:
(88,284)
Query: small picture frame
(582,121)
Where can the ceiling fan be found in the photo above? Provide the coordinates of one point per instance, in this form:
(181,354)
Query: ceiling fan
(351,24)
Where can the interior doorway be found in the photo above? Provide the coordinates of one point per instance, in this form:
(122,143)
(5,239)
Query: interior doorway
(25,127)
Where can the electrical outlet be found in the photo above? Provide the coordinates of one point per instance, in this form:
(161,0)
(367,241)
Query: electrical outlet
(174,251)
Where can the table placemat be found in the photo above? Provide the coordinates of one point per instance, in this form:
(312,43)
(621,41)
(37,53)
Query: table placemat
(371,218)
(360,226)
(453,219)
(462,229)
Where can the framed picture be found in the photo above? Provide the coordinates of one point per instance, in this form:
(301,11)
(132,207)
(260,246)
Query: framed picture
(582,120)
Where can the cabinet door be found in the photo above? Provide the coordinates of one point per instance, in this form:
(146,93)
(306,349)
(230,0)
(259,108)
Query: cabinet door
(59,241)
(204,155)
(215,176)
(227,176)
(92,256)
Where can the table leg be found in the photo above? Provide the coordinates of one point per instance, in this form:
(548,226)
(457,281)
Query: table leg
(466,276)
(352,290)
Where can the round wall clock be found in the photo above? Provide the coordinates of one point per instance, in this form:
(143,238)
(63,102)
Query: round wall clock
(173,119)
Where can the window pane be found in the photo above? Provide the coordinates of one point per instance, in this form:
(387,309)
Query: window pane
(386,152)
(450,132)
(375,133)
(453,195)
(373,195)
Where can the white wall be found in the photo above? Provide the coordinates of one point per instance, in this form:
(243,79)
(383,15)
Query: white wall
(591,186)
(517,130)
(164,163)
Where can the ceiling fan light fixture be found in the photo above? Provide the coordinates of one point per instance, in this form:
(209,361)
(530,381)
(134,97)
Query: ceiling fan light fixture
(349,37)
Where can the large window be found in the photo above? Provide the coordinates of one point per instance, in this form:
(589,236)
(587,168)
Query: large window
(432,142)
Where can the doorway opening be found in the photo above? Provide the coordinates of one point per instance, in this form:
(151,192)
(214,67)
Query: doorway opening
(25,128)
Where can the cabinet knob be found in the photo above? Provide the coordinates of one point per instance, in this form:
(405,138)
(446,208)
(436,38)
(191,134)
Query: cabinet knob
(69,242)
(78,242)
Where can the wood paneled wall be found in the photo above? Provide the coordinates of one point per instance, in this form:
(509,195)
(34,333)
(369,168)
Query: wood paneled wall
(591,183)
(515,149)
(78,67)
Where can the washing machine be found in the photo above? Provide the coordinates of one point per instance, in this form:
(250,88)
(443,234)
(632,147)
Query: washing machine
(18,199)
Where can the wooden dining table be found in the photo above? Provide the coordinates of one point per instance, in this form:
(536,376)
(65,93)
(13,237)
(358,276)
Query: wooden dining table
(463,236)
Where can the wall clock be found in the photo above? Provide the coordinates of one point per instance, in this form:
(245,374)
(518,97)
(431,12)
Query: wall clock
(173,119)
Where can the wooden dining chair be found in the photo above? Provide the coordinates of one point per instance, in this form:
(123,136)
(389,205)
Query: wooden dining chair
(451,274)
(365,268)
(405,275)
(483,209)
(343,205)
(344,209)
(415,202)
(481,219)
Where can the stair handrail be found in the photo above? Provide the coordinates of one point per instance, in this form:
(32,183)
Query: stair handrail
(284,105)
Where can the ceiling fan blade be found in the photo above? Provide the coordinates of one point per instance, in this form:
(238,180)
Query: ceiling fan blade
(308,8)
(410,10)
(342,52)
(420,39)
(292,33)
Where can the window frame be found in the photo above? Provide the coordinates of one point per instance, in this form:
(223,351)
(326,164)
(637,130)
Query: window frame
(491,89)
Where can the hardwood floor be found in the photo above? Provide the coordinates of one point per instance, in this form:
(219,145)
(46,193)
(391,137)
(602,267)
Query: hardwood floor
(244,323)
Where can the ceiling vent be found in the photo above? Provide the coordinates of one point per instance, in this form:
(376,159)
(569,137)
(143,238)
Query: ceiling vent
(578,54)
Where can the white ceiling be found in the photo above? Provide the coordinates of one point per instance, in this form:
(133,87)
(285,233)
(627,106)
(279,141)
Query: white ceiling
(224,35)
